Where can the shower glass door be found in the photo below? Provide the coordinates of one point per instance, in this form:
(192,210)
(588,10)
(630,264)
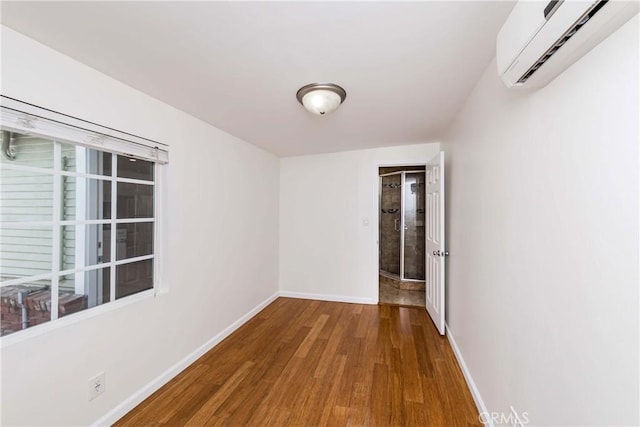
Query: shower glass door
(414,238)
(402,225)
(390,223)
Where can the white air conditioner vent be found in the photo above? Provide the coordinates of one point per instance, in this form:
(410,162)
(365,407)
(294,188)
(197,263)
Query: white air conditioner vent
(529,44)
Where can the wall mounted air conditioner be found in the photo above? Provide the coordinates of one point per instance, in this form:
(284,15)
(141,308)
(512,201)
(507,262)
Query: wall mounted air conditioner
(541,39)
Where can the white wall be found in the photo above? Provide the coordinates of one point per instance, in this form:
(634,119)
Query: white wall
(222,247)
(543,234)
(325,200)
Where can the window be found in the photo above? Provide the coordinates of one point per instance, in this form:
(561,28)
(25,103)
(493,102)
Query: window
(78,225)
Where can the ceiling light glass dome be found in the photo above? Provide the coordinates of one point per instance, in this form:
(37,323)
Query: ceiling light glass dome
(321,98)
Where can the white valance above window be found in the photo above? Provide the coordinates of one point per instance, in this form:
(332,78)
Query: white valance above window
(21,117)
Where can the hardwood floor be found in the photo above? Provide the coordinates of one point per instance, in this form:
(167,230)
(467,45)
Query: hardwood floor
(308,363)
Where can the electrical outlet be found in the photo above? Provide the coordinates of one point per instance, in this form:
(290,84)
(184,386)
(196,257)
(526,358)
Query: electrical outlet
(96,386)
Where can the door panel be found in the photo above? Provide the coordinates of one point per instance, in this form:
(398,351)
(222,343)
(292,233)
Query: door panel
(435,251)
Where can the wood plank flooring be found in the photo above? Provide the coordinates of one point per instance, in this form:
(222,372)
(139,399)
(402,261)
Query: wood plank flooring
(314,363)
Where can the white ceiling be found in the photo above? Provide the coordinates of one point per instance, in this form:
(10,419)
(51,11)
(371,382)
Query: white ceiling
(407,67)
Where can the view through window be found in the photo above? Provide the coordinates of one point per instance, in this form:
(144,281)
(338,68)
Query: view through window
(77,229)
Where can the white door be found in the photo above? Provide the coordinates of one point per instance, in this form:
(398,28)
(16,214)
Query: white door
(434,267)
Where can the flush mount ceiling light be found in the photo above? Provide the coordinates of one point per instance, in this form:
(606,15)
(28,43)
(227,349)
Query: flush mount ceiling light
(321,98)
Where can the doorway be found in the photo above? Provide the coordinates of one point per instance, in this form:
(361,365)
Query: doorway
(401,276)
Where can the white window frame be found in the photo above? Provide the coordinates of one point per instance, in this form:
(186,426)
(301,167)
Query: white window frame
(59,128)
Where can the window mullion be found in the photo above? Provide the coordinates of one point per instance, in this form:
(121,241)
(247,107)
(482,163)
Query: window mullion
(114,212)
(56,232)
(81,201)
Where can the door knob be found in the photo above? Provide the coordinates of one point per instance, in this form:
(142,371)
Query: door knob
(445,253)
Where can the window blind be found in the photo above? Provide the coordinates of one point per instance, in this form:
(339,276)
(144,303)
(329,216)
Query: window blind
(25,118)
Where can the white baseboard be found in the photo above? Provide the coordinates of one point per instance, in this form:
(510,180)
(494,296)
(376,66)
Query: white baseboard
(477,398)
(323,297)
(134,400)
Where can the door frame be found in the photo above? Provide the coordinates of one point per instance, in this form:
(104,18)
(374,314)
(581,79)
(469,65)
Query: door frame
(375,213)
